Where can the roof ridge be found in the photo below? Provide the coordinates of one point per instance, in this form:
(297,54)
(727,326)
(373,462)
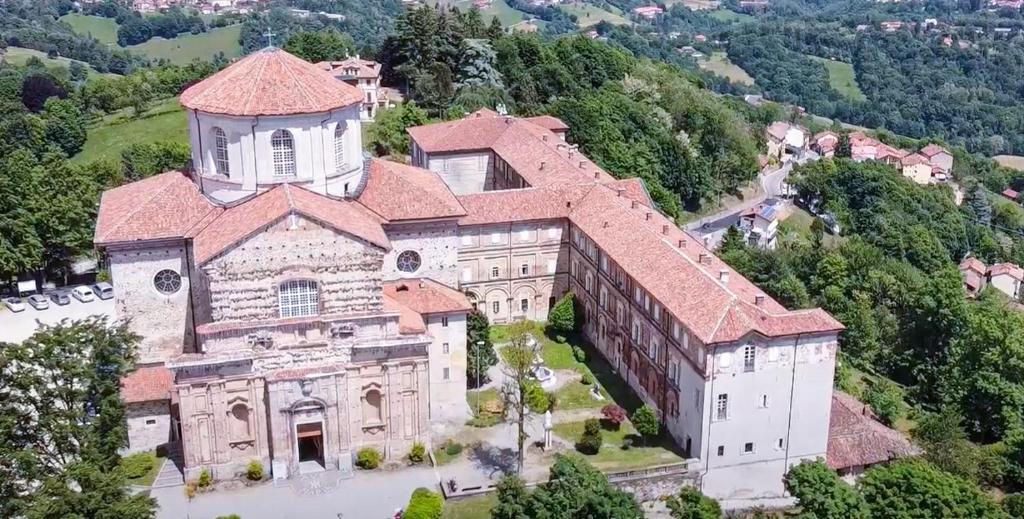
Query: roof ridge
(300,86)
(256,78)
(288,196)
(165,184)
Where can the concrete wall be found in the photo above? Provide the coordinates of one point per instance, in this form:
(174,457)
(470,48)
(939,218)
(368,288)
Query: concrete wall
(250,153)
(463,172)
(243,282)
(164,321)
(436,243)
(920,173)
(149,425)
(447,353)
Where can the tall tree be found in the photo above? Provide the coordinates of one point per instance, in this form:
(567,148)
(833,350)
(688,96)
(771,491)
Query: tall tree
(912,489)
(820,493)
(518,355)
(689,503)
(480,351)
(323,45)
(65,125)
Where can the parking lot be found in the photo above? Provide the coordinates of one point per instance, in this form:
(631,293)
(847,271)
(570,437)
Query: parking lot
(16,327)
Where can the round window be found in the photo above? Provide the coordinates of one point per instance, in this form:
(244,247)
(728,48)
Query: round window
(408,261)
(167,281)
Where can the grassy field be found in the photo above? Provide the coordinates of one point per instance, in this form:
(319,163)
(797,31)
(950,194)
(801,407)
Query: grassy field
(478,507)
(726,15)
(613,456)
(103,29)
(149,477)
(498,8)
(587,14)
(164,121)
(19,56)
(797,228)
(719,63)
(842,78)
(1010,161)
(188,47)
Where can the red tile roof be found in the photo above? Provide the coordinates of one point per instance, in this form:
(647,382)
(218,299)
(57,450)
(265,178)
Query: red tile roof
(932,150)
(1006,269)
(550,122)
(243,220)
(147,384)
(914,159)
(535,152)
(164,206)
(426,296)
(646,245)
(400,192)
(270,82)
(857,439)
(409,321)
(365,69)
(521,205)
(778,130)
(973,264)
(1011,194)
(634,189)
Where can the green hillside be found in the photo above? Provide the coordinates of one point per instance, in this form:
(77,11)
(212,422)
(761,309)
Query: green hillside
(112,134)
(103,29)
(19,56)
(188,47)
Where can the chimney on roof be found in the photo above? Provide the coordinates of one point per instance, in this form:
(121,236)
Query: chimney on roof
(597,175)
(664,229)
(759,299)
(544,138)
(706,241)
(508,120)
(583,164)
(542,163)
(619,191)
(704,258)
(570,154)
(723,275)
(605,224)
(682,244)
(634,204)
(647,216)
(568,203)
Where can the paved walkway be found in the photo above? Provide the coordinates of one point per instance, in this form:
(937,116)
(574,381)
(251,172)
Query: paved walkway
(369,495)
(171,474)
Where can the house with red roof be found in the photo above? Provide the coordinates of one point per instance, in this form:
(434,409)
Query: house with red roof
(857,440)
(825,143)
(1011,194)
(298,303)
(365,75)
(1007,278)
(939,157)
(974,273)
(917,168)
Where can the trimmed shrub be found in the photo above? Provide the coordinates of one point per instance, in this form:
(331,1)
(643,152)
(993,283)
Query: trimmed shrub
(552,401)
(190,490)
(254,471)
(562,317)
(424,504)
(536,398)
(614,415)
(590,442)
(137,465)
(646,422)
(205,478)
(417,453)
(587,379)
(368,458)
(452,447)
(579,354)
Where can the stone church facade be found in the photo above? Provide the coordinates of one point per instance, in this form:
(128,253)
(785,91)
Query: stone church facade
(298,302)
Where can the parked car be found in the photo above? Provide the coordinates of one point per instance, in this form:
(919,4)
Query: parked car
(14,304)
(60,297)
(82,293)
(38,301)
(103,290)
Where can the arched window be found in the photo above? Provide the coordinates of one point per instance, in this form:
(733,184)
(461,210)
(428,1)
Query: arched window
(220,151)
(284,153)
(298,298)
(339,149)
(371,407)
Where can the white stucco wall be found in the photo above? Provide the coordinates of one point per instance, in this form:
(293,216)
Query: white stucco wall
(1007,285)
(149,425)
(464,172)
(447,395)
(250,154)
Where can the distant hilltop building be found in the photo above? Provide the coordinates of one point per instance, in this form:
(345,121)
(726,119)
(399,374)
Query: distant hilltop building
(364,74)
(649,12)
(297,301)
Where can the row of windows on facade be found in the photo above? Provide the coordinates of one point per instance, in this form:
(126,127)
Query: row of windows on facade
(495,273)
(282,145)
(748,447)
(723,411)
(524,235)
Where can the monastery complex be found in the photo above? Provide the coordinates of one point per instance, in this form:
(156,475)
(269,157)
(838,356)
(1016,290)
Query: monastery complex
(298,300)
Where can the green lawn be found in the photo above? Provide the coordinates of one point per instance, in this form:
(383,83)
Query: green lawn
(441,456)
(149,477)
(725,15)
(587,14)
(797,228)
(103,29)
(188,47)
(164,121)
(719,63)
(612,456)
(842,78)
(478,507)
(1010,161)
(576,395)
(19,56)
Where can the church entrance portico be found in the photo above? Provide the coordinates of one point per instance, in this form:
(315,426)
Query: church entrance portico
(309,447)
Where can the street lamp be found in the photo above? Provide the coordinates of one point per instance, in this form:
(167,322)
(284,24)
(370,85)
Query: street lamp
(477,362)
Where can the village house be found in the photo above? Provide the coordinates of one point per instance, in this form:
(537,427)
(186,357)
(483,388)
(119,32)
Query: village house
(857,440)
(939,157)
(825,143)
(1011,194)
(760,225)
(649,12)
(786,140)
(917,168)
(1007,278)
(974,272)
(364,74)
(298,301)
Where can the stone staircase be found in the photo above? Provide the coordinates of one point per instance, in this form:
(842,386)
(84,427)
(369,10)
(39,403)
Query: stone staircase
(171,473)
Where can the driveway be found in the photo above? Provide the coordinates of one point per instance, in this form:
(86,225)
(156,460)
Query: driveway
(368,495)
(16,327)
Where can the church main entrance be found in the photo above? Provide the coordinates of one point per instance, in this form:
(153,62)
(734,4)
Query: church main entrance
(310,440)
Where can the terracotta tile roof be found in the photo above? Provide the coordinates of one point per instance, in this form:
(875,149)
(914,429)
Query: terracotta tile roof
(270,82)
(778,130)
(1006,269)
(535,152)
(243,220)
(159,207)
(550,122)
(409,322)
(400,192)
(932,150)
(973,264)
(634,189)
(1011,194)
(521,205)
(885,151)
(365,69)
(914,159)
(426,296)
(147,384)
(825,134)
(856,438)
(715,310)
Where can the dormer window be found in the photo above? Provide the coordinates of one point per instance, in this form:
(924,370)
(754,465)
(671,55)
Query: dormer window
(298,298)
(220,151)
(283,146)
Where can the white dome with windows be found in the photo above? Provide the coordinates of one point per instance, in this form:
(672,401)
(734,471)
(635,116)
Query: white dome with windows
(272,118)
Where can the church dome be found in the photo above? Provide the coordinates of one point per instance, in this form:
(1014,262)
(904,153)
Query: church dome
(270,82)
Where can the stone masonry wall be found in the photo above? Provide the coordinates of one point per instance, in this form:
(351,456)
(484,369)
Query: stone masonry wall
(149,425)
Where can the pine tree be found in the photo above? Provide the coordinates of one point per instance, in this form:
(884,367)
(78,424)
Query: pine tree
(480,351)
